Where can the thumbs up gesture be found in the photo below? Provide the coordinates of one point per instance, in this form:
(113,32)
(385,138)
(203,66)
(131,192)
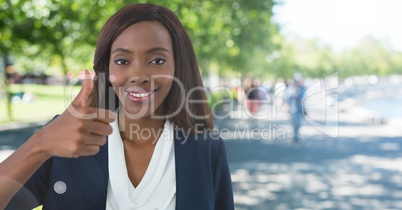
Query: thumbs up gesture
(80,130)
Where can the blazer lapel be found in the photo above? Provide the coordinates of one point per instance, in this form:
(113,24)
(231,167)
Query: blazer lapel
(194,186)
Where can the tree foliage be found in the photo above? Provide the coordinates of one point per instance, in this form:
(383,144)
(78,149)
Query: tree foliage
(52,30)
(228,35)
(369,57)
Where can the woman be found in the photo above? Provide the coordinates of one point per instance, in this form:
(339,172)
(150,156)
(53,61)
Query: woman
(158,154)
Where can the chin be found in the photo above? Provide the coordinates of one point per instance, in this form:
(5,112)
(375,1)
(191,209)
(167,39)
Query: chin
(137,112)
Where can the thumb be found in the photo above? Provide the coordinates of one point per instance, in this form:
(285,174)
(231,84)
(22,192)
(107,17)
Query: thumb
(87,86)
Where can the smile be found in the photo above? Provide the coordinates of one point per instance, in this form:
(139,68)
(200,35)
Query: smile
(141,95)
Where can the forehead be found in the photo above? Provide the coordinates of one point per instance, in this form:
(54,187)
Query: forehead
(144,35)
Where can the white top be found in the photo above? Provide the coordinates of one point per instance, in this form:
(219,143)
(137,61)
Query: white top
(157,189)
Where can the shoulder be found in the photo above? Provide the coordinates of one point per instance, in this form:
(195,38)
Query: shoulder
(201,148)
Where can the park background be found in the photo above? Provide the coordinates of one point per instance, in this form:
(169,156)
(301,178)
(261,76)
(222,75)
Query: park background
(348,53)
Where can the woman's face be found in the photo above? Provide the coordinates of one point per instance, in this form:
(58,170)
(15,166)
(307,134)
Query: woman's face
(141,68)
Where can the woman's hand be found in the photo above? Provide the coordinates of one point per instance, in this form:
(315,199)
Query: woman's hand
(79,131)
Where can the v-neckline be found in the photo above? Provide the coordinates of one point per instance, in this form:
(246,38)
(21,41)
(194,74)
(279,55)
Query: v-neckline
(118,176)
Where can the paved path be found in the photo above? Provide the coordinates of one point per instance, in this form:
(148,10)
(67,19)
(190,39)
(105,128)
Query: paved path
(344,164)
(359,168)
(13,135)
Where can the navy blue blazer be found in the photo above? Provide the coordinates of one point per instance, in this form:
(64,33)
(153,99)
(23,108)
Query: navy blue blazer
(202,179)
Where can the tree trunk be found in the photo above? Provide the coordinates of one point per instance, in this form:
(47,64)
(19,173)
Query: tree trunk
(7,88)
(64,67)
(8,101)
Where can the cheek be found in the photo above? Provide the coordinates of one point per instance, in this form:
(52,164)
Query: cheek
(166,80)
(170,77)
(114,78)
(166,83)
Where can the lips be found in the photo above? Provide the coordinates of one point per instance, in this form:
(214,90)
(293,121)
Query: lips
(139,95)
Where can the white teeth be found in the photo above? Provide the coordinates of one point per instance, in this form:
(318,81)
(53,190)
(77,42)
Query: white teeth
(140,95)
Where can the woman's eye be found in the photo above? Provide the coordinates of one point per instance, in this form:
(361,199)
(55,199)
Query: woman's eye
(121,62)
(158,61)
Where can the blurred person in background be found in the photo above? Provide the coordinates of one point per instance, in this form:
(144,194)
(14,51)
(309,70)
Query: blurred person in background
(254,93)
(294,95)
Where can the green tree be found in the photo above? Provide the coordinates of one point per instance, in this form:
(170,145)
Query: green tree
(60,30)
(229,35)
(232,35)
(370,56)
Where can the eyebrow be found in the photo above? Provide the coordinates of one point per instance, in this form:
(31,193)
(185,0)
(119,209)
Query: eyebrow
(156,49)
(121,50)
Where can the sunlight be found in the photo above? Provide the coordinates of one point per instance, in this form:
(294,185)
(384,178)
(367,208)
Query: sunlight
(342,23)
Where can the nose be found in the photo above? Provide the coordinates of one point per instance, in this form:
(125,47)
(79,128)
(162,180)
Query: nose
(138,74)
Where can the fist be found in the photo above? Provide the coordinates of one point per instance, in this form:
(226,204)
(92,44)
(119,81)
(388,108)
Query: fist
(80,130)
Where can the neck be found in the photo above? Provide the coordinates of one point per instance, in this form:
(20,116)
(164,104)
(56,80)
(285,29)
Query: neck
(141,131)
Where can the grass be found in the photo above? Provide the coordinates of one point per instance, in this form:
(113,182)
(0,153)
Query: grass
(46,102)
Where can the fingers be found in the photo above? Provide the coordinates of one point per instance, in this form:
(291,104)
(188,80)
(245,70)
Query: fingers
(105,116)
(90,150)
(98,128)
(95,140)
(90,146)
(82,129)
(87,86)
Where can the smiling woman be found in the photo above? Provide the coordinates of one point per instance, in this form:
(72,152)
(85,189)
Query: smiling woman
(141,54)
(137,137)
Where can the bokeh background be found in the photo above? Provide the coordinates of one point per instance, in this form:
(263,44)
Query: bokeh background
(347,55)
